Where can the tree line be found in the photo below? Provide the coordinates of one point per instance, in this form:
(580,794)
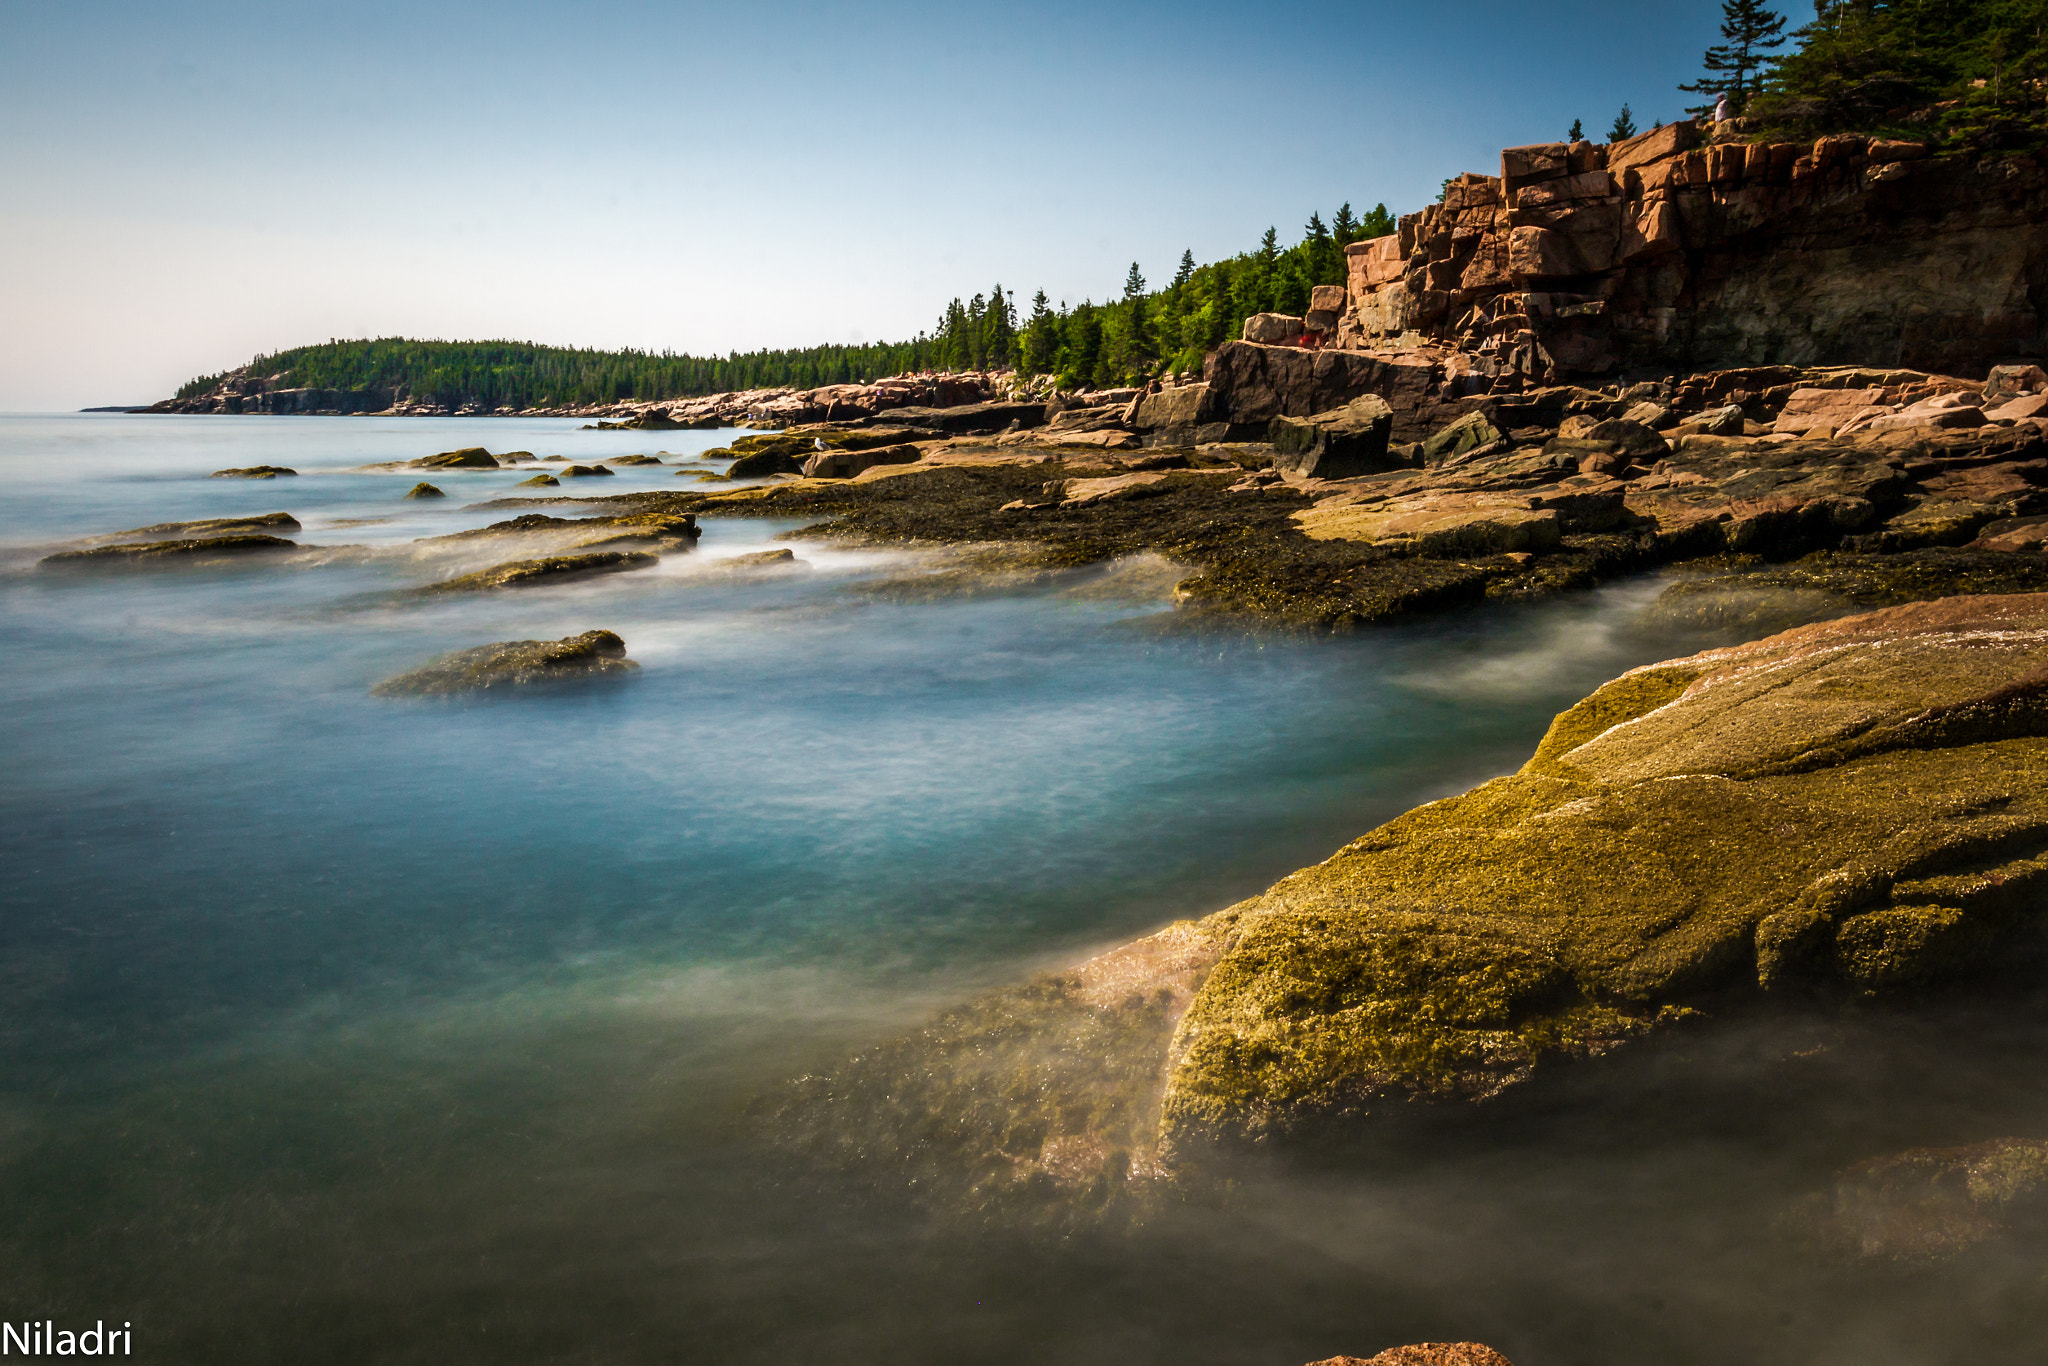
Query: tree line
(1129,338)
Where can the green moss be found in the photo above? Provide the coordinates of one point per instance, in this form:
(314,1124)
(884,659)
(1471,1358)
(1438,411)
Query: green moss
(1625,699)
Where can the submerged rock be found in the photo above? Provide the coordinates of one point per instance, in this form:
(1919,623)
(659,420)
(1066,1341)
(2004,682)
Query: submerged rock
(548,569)
(543,481)
(253,472)
(1859,806)
(424,491)
(187,549)
(762,559)
(468,458)
(633,460)
(583,471)
(1933,1203)
(510,664)
(215,526)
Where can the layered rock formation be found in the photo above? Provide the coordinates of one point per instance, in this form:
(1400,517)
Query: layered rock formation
(1688,248)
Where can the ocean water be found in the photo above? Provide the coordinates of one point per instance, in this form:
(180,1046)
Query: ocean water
(339,1028)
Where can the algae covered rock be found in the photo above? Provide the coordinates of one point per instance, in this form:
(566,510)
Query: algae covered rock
(547,569)
(190,549)
(540,481)
(513,664)
(267,523)
(254,472)
(424,491)
(468,458)
(1858,807)
(1929,1204)
(584,471)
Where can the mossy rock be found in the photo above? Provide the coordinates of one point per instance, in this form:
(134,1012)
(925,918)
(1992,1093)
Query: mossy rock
(633,460)
(515,665)
(254,472)
(468,458)
(584,471)
(184,549)
(1858,807)
(540,481)
(424,491)
(547,569)
(263,524)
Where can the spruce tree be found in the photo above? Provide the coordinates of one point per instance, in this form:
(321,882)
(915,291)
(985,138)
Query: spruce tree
(1578,133)
(1134,284)
(1735,68)
(1343,226)
(1624,126)
(1184,273)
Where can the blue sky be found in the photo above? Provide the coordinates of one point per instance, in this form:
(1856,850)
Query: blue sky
(189,184)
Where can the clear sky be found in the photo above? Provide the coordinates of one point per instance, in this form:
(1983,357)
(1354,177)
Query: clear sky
(189,184)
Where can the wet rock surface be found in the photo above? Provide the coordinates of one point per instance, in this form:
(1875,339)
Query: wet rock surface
(1931,1204)
(511,665)
(186,550)
(546,570)
(268,523)
(424,491)
(254,472)
(1729,823)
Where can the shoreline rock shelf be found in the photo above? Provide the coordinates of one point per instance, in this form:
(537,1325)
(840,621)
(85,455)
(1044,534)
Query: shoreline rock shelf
(545,570)
(1694,838)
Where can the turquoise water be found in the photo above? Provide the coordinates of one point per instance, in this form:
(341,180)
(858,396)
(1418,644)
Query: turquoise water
(349,1029)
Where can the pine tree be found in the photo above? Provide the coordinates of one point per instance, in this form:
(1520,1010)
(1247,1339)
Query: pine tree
(1134,284)
(1343,226)
(1184,273)
(1624,126)
(1735,68)
(1578,133)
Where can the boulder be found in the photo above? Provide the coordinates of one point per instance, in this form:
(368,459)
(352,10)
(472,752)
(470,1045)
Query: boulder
(759,464)
(541,481)
(1634,440)
(1655,145)
(1468,433)
(185,549)
(1725,421)
(1187,406)
(1859,806)
(2020,409)
(1273,328)
(1339,444)
(514,664)
(583,471)
(468,458)
(633,460)
(844,464)
(548,569)
(1326,299)
(429,491)
(2012,381)
(253,472)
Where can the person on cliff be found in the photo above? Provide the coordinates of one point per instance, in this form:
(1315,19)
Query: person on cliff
(1721,107)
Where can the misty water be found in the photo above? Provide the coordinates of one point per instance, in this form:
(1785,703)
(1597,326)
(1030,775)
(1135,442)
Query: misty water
(347,1029)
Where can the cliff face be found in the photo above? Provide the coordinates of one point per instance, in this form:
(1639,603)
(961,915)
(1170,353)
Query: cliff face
(1676,251)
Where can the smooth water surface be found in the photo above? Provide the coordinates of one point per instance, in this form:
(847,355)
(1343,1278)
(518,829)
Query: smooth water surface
(339,1028)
